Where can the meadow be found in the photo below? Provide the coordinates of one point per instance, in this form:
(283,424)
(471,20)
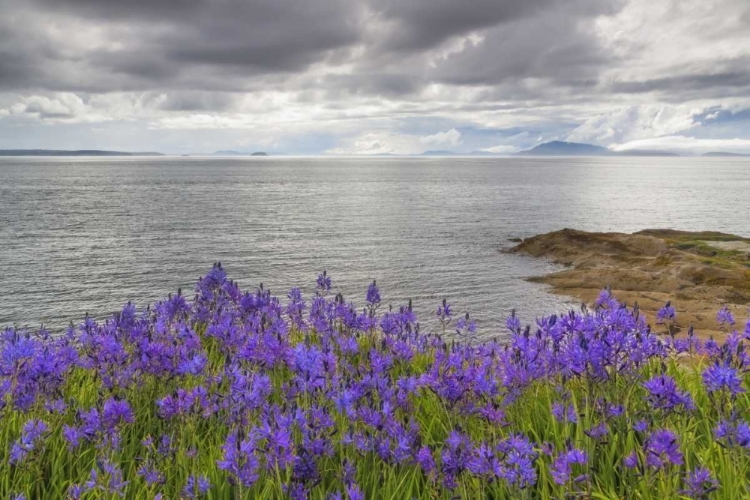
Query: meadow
(232,394)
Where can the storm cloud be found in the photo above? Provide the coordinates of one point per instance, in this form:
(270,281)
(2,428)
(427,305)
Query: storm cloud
(349,72)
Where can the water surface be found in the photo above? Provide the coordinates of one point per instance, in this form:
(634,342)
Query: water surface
(80,235)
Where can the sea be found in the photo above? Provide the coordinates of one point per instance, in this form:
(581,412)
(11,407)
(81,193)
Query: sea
(87,235)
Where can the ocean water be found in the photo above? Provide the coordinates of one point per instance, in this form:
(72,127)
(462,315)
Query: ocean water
(84,235)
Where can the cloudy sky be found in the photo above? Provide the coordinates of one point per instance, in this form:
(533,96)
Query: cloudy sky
(374,76)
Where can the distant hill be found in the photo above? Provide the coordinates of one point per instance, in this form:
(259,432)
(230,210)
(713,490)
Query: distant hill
(562,148)
(230,152)
(78,152)
(721,154)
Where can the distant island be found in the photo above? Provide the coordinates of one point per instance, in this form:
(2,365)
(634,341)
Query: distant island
(76,152)
(562,148)
(230,152)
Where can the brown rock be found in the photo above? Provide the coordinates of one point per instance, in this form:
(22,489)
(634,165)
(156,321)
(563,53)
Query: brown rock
(698,271)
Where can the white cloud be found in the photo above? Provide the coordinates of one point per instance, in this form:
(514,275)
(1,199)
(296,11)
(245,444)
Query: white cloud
(673,38)
(449,138)
(636,122)
(687,145)
(61,107)
(502,149)
(372,143)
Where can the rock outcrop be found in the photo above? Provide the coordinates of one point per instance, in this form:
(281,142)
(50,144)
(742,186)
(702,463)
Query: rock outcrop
(698,271)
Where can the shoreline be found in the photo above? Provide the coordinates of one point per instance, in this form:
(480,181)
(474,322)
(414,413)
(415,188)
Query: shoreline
(697,271)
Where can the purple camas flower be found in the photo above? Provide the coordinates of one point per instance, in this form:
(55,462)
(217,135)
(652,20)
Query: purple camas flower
(75,492)
(32,435)
(299,387)
(353,492)
(562,467)
(444,312)
(663,394)
(323,283)
(151,474)
(724,317)
(373,295)
(196,486)
(720,376)
(662,449)
(700,483)
(240,460)
(733,433)
(563,412)
(631,460)
(598,432)
(425,460)
(107,477)
(666,314)
(606,299)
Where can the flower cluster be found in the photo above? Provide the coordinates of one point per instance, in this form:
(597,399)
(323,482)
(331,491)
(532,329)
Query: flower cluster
(237,394)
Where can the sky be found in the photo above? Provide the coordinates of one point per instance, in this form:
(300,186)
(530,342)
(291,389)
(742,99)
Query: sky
(374,76)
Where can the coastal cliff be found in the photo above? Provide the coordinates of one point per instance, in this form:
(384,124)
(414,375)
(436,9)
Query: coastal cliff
(698,271)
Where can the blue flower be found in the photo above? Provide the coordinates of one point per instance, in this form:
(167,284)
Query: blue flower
(721,376)
(700,483)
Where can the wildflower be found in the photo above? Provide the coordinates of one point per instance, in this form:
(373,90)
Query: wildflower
(662,449)
(192,366)
(151,474)
(640,426)
(724,317)
(563,413)
(31,436)
(107,477)
(75,492)
(354,492)
(425,460)
(700,483)
(665,395)
(373,295)
(733,433)
(666,313)
(444,312)
(562,467)
(631,460)
(239,459)
(196,486)
(722,376)
(116,412)
(323,283)
(598,432)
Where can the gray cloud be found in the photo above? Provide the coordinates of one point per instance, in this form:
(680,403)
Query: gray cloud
(550,65)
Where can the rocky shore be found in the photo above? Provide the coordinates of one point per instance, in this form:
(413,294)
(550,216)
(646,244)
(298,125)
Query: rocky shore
(698,271)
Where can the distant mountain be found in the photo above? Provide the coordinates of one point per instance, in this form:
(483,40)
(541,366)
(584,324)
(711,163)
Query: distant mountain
(561,148)
(438,153)
(79,152)
(259,153)
(721,154)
